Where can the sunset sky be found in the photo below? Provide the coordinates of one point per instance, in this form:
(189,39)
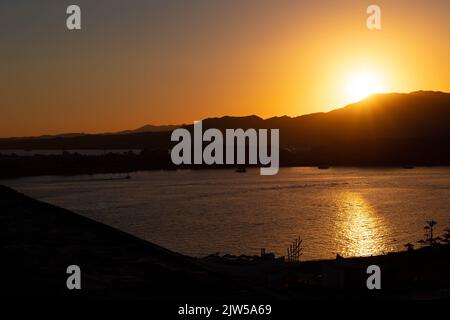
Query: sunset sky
(169,61)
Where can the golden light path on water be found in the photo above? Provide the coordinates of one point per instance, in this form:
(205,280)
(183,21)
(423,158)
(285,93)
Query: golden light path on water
(346,211)
(359,230)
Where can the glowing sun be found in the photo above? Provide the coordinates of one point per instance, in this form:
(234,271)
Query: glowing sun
(360,85)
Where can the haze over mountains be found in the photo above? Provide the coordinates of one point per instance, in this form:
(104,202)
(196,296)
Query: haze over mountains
(381,128)
(146,128)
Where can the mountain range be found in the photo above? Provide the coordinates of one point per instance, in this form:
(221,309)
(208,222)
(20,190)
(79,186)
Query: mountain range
(382,128)
(145,128)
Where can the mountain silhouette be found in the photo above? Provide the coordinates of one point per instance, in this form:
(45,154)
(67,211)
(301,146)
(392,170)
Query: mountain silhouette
(394,128)
(145,128)
(151,128)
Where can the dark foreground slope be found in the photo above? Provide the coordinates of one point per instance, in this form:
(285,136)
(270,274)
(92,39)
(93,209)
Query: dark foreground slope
(39,241)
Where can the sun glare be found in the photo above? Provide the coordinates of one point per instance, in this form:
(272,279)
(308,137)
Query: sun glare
(361,85)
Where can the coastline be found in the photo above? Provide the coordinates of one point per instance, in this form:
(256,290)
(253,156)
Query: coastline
(40,240)
(12,167)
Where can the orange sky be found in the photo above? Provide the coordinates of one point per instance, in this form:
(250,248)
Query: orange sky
(167,62)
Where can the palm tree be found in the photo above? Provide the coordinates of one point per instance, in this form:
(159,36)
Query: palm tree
(429,226)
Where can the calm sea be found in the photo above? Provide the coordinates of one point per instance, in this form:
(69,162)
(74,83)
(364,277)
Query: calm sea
(349,211)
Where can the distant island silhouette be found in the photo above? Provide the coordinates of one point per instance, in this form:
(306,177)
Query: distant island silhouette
(394,129)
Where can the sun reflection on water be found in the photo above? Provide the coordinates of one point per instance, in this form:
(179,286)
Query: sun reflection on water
(359,229)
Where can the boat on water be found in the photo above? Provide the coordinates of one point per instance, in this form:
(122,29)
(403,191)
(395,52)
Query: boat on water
(323,167)
(408,167)
(241,170)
